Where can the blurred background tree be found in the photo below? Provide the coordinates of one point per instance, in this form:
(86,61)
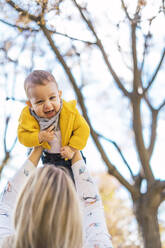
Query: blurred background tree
(110,56)
(118,212)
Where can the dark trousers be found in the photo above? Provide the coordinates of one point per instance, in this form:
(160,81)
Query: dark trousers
(57,160)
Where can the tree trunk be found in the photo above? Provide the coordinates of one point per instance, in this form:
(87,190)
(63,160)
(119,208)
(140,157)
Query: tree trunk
(148,222)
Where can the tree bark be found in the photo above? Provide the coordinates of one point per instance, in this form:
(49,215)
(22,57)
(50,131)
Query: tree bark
(147,219)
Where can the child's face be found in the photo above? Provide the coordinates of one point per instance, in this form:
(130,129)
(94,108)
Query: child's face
(44,100)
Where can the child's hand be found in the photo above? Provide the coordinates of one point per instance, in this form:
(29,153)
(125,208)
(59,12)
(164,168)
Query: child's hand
(67,152)
(46,135)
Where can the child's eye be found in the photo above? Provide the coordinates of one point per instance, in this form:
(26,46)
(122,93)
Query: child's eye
(39,102)
(52,97)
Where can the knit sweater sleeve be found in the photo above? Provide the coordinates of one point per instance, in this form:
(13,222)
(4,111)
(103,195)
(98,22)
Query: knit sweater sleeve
(9,196)
(95,229)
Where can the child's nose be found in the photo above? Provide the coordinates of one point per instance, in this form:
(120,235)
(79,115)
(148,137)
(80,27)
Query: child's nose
(47,105)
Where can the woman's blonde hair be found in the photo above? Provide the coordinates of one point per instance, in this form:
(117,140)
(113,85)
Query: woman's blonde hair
(47,214)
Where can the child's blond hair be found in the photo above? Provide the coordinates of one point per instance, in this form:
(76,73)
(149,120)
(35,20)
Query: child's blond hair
(38,77)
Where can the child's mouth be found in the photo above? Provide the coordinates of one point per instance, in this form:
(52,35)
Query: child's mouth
(50,113)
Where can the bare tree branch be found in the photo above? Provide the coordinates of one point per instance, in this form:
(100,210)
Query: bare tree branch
(142,151)
(153,132)
(13,145)
(136,102)
(5,137)
(155,73)
(15,99)
(72,38)
(161,105)
(7,151)
(99,44)
(126,11)
(5,133)
(4,162)
(145,97)
(136,81)
(8,58)
(111,168)
(154,121)
(44,6)
(24,12)
(21,28)
(120,152)
(147,37)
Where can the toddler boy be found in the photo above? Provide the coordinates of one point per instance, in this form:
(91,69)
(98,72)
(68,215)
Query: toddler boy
(50,121)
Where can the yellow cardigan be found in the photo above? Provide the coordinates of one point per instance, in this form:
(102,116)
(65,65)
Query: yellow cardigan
(74,129)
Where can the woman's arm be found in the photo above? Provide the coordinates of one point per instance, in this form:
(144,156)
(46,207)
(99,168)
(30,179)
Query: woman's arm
(35,155)
(95,229)
(77,156)
(9,195)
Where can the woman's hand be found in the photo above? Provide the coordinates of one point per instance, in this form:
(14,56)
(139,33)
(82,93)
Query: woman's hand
(35,155)
(77,156)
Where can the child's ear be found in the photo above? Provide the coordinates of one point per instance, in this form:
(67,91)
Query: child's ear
(60,93)
(29,103)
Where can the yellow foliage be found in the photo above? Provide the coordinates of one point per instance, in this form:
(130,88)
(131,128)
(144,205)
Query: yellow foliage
(118,215)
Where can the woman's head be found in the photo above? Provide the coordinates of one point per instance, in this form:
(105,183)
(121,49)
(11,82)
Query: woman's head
(47,212)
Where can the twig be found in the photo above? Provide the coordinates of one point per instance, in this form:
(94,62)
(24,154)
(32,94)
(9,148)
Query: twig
(156,72)
(119,150)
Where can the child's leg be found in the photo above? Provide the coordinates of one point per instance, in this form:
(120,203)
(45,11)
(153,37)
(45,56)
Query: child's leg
(57,160)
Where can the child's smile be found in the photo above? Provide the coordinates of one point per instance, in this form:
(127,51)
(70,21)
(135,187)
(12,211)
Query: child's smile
(45,99)
(50,113)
